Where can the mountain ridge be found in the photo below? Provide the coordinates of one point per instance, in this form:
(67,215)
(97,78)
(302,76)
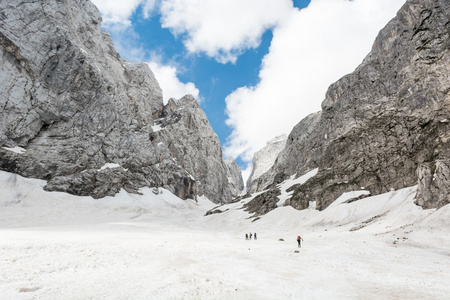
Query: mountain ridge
(380,124)
(74,105)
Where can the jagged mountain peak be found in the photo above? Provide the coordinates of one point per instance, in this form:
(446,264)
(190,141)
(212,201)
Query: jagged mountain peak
(75,106)
(234,177)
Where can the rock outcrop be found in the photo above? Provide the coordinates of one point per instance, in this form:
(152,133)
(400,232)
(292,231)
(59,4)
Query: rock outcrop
(263,160)
(75,106)
(235,179)
(263,203)
(184,130)
(434,184)
(383,121)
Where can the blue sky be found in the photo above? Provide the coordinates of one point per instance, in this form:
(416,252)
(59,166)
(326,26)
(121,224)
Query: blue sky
(257,66)
(213,79)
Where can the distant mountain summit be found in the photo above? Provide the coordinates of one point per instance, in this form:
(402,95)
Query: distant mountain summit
(74,113)
(263,161)
(234,177)
(384,127)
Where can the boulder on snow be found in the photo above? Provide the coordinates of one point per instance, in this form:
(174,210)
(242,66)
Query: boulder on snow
(263,203)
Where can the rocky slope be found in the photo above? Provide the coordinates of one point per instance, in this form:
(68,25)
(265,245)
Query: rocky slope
(90,122)
(263,160)
(386,125)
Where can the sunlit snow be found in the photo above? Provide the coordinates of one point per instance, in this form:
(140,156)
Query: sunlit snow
(156,127)
(157,246)
(292,181)
(18,150)
(110,166)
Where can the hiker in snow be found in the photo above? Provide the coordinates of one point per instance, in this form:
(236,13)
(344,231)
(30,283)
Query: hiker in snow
(246,236)
(299,239)
(254,235)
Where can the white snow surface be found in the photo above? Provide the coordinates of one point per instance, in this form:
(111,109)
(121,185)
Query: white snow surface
(84,51)
(18,150)
(156,127)
(293,181)
(59,246)
(349,196)
(109,166)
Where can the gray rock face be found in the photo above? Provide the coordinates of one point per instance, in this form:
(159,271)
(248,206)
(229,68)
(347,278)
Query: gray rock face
(184,131)
(263,160)
(297,157)
(263,203)
(434,184)
(378,124)
(68,98)
(235,179)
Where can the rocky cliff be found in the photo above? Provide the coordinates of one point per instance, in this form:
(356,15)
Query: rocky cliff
(234,177)
(386,125)
(89,122)
(263,160)
(183,129)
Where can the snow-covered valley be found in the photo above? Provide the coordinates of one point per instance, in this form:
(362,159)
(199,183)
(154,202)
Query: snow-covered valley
(59,246)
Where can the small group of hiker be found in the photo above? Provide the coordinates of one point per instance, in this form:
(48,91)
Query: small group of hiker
(248,236)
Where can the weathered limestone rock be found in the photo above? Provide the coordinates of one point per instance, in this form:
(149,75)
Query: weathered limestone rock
(74,105)
(263,203)
(297,156)
(235,179)
(434,184)
(378,124)
(183,130)
(263,161)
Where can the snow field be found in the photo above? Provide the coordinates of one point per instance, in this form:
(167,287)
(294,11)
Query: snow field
(58,246)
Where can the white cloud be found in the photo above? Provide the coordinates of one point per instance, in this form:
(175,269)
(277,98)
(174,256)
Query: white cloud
(148,7)
(116,12)
(222,29)
(310,49)
(171,86)
(116,16)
